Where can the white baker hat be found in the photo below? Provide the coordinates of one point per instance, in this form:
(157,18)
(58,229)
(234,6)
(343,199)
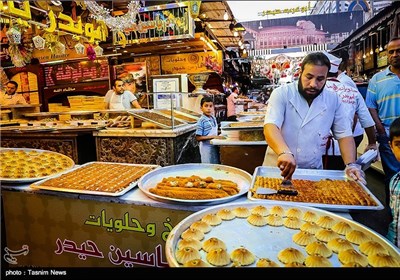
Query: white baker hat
(335,61)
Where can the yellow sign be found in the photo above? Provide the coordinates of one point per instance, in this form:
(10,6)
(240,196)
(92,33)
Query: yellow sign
(294,10)
(46,55)
(186,63)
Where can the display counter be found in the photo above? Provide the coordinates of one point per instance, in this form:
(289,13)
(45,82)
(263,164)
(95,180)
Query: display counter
(18,111)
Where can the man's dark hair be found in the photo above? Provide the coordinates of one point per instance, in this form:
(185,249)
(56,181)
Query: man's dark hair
(117,80)
(234,88)
(393,39)
(206,98)
(14,83)
(394,129)
(316,58)
(343,65)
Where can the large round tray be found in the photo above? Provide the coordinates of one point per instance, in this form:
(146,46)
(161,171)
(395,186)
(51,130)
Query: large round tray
(39,153)
(264,241)
(217,171)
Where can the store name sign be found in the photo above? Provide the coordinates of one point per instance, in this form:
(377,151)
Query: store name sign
(294,10)
(60,22)
(158,23)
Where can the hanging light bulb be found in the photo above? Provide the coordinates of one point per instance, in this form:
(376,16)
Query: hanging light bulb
(364,56)
(226,16)
(380,40)
(371,52)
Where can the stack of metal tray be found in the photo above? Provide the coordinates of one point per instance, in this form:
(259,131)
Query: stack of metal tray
(157,118)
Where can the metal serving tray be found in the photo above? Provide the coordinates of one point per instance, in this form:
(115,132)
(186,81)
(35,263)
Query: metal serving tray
(42,184)
(249,126)
(263,241)
(314,175)
(148,115)
(179,115)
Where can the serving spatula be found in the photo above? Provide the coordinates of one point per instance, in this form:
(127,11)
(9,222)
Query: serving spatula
(267,191)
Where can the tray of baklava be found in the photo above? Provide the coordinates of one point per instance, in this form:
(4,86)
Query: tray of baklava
(157,118)
(272,234)
(97,178)
(326,189)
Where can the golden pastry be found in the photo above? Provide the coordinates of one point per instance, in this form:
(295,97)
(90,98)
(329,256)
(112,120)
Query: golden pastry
(218,257)
(310,216)
(319,248)
(277,210)
(194,243)
(260,209)
(326,235)
(383,260)
(192,233)
(265,262)
(357,237)
(212,219)
(290,255)
(372,247)
(341,228)
(241,212)
(201,225)
(242,256)
(294,264)
(226,214)
(310,227)
(325,221)
(196,263)
(294,213)
(186,254)
(317,261)
(303,238)
(352,264)
(351,255)
(257,220)
(292,222)
(213,243)
(339,244)
(274,220)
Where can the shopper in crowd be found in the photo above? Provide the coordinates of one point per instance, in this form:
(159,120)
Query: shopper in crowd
(207,129)
(383,101)
(357,111)
(299,118)
(394,186)
(232,103)
(120,99)
(10,96)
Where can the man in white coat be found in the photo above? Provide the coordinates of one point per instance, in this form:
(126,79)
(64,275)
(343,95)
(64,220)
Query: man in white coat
(299,118)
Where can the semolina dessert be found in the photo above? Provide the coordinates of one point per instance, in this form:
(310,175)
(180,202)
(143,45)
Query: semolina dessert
(357,237)
(341,228)
(383,260)
(325,221)
(295,264)
(371,248)
(277,210)
(319,248)
(310,216)
(274,220)
(186,254)
(257,220)
(339,244)
(260,209)
(310,227)
(226,214)
(242,256)
(292,222)
(192,233)
(294,213)
(212,244)
(326,235)
(201,225)
(196,263)
(193,243)
(265,262)
(351,255)
(218,257)
(291,255)
(303,238)
(212,219)
(317,261)
(241,212)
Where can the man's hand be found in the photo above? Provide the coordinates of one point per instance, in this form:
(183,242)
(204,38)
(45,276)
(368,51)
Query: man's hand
(354,171)
(287,164)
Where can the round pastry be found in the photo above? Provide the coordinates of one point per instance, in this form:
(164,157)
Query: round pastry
(372,247)
(352,264)
(326,235)
(292,222)
(294,264)
(192,233)
(186,254)
(339,244)
(257,220)
(351,255)
(274,220)
(218,257)
(294,213)
(318,248)
(242,256)
(383,260)
(303,238)
(290,255)
(241,212)
(310,227)
(310,216)
(317,261)
(277,210)
(194,243)
(226,214)
(341,228)
(357,237)
(196,263)
(260,209)
(201,225)
(213,243)
(212,219)
(265,262)
(325,221)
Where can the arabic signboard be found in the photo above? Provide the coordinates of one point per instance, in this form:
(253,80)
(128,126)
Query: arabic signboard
(70,232)
(158,23)
(186,63)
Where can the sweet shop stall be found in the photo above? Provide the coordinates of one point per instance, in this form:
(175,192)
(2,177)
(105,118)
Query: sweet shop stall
(137,195)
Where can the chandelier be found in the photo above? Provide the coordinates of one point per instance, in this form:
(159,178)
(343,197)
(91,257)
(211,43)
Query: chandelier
(119,23)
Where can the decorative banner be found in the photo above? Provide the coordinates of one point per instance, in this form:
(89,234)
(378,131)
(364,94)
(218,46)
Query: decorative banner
(158,23)
(382,59)
(298,9)
(186,63)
